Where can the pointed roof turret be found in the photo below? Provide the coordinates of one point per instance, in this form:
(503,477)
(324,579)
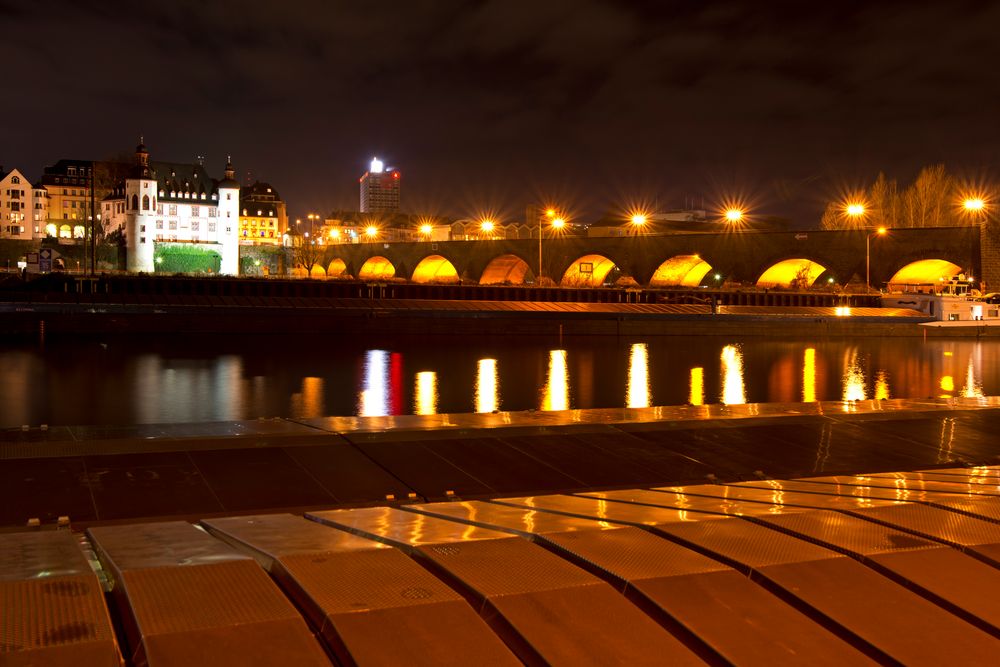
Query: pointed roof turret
(230,180)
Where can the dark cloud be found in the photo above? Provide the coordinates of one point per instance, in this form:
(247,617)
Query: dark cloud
(497,102)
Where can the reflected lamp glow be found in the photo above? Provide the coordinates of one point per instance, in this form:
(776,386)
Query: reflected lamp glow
(972,388)
(854,382)
(426,393)
(696,392)
(733,389)
(373,401)
(637,395)
(881,386)
(947,383)
(487,386)
(555,395)
(809,375)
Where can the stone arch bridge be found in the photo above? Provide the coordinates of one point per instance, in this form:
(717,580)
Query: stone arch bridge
(766,259)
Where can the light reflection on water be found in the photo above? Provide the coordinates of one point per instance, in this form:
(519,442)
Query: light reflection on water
(637,395)
(373,400)
(127,382)
(487,386)
(733,390)
(555,395)
(425,393)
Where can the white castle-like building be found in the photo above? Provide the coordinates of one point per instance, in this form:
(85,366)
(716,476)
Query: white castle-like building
(174,204)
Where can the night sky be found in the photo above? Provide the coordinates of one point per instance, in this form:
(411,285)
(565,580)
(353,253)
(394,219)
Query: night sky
(491,105)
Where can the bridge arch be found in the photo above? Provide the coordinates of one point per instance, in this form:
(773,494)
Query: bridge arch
(794,272)
(926,271)
(435,269)
(680,270)
(376,268)
(336,268)
(505,269)
(587,271)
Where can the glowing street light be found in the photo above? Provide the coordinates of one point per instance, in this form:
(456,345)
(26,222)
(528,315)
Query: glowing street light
(426,229)
(734,215)
(868,256)
(639,219)
(974,204)
(855,209)
(371,231)
(335,234)
(555,222)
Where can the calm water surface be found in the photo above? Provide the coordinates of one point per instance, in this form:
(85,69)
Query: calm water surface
(121,381)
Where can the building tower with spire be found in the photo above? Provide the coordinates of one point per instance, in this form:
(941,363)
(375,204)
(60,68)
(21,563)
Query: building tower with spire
(140,207)
(228,237)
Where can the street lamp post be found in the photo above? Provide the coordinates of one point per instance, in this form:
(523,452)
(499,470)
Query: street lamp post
(868,257)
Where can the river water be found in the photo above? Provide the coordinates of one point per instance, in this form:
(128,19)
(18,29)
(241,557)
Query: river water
(121,381)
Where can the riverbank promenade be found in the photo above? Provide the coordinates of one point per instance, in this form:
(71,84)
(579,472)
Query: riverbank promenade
(840,532)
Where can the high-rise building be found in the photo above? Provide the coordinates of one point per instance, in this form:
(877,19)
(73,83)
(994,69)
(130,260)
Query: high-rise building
(380,189)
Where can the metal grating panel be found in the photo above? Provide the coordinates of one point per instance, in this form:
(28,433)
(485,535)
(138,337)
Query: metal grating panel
(631,553)
(986,508)
(881,493)
(404,529)
(888,616)
(273,536)
(167,544)
(744,623)
(904,483)
(39,617)
(779,496)
(34,554)
(850,533)
(596,508)
(952,527)
(51,604)
(505,517)
(590,625)
(182,599)
(357,581)
(506,567)
(752,545)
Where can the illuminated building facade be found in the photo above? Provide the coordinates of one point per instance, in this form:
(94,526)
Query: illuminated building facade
(380,189)
(170,203)
(263,215)
(20,205)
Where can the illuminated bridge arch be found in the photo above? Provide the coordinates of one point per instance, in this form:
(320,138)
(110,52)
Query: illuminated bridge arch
(435,269)
(797,272)
(926,271)
(587,271)
(336,268)
(377,268)
(505,269)
(683,270)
